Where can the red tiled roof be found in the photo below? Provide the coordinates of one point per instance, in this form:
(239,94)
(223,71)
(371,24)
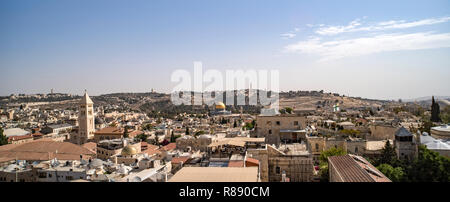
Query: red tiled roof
(22,137)
(135,133)
(151,152)
(236,164)
(90,145)
(169,147)
(251,162)
(44,150)
(152,147)
(181,159)
(37,134)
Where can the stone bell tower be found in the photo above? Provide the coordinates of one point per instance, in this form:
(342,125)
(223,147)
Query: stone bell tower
(86,124)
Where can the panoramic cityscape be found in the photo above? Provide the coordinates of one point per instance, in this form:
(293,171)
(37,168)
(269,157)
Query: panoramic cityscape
(215,91)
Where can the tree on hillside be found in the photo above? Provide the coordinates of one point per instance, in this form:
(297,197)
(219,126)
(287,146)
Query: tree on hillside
(435,111)
(3,138)
(172,137)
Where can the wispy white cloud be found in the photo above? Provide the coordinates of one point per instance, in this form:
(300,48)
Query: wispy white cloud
(290,34)
(336,49)
(356,25)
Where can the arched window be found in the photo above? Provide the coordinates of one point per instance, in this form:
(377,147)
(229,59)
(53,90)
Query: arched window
(317,146)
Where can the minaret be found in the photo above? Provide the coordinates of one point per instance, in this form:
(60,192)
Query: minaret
(86,119)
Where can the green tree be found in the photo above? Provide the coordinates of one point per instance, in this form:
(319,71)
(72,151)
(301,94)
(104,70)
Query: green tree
(3,138)
(395,174)
(172,137)
(142,137)
(288,110)
(435,111)
(323,161)
(125,132)
(248,126)
(199,133)
(388,155)
(429,166)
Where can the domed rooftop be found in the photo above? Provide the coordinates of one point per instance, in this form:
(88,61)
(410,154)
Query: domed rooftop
(220,105)
(128,151)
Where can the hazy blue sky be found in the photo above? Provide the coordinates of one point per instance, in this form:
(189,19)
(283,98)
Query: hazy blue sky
(375,49)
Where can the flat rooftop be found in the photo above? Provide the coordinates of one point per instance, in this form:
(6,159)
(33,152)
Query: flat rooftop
(216,174)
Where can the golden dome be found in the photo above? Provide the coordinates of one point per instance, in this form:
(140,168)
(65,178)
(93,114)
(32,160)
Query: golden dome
(220,105)
(128,151)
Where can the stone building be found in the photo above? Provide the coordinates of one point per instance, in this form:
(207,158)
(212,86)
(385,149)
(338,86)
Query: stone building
(381,132)
(86,125)
(276,165)
(109,148)
(405,144)
(275,129)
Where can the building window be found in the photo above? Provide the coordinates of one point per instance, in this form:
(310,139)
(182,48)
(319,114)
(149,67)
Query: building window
(295,123)
(277,170)
(356,149)
(317,147)
(270,131)
(278,123)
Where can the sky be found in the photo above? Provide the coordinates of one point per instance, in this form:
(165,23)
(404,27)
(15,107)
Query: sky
(372,49)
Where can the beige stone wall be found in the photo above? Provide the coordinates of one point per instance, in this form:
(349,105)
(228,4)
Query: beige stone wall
(315,146)
(297,168)
(406,150)
(382,132)
(106,154)
(262,156)
(336,144)
(270,126)
(356,147)
(86,123)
